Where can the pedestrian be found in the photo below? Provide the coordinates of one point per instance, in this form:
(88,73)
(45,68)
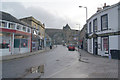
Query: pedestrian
(50,46)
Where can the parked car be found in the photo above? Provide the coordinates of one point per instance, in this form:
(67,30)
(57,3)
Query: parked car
(71,47)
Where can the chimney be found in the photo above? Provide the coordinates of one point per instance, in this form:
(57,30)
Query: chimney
(104,5)
(99,9)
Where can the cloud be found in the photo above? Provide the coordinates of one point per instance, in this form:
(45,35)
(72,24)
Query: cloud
(19,11)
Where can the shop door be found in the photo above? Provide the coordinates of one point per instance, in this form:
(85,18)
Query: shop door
(95,46)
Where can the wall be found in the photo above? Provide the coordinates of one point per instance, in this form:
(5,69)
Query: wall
(119,25)
(112,26)
(90,45)
(113,42)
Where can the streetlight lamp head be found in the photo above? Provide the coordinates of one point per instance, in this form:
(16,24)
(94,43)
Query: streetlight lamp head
(80,6)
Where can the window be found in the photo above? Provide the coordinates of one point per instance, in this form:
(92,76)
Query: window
(28,30)
(104,22)
(18,27)
(4,24)
(90,27)
(24,28)
(90,45)
(105,44)
(95,25)
(16,43)
(4,46)
(0,23)
(11,25)
(24,43)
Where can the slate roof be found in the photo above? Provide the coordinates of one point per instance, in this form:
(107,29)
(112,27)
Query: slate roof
(8,17)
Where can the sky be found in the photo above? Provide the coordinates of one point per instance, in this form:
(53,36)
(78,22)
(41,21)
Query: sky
(54,13)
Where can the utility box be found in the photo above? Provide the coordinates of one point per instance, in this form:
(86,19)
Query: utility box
(115,54)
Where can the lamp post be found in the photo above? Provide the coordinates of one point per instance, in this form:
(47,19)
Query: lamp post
(78,34)
(86,12)
(86,24)
(79,42)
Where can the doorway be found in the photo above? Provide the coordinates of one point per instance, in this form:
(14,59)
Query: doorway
(95,46)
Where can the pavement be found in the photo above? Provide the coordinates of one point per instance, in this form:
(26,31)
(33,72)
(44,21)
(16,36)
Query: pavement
(90,66)
(22,55)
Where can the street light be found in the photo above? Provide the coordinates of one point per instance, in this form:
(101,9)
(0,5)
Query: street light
(78,41)
(86,23)
(86,12)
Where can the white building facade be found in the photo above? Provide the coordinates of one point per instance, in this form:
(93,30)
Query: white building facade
(15,36)
(103,30)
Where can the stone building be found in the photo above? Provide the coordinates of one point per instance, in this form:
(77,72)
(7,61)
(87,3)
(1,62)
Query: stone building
(83,38)
(38,32)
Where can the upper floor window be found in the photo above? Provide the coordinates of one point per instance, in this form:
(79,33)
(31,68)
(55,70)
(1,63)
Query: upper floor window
(0,23)
(28,30)
(4,24)
(18,27)
(95,25)
(11,25)
(90,27)
(104,22)
(24,28)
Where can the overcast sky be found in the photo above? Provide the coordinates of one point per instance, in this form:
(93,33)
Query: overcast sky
(55,13)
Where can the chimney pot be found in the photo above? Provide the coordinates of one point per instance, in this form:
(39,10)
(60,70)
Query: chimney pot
(104,4)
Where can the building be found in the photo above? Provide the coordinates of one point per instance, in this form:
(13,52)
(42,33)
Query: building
(67,34)
(15,36)
(83,38)
(70,36)
(38,32)
(56,35)
(104,30)
(47,41)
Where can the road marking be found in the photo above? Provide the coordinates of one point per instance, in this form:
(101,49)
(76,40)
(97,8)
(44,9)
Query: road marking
(62,69)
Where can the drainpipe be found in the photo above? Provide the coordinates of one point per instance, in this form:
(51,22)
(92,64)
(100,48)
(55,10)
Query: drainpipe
(12,47)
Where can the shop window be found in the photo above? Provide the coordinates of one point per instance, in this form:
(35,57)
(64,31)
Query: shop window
(104,22)
(16,43)
(24,29)
(11,25)
(105,44)
(4,24)
(24,43)
(4,45)
(95,25)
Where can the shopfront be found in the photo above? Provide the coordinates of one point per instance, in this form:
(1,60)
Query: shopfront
(5,44)
(21,44)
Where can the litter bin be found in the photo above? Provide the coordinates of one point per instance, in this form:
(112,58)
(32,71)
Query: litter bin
(115,54)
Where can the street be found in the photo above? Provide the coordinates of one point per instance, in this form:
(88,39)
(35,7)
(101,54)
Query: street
(53,60)
(61,63)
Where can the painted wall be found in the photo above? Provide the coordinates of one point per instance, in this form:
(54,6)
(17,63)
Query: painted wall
(113,42)
(119,25)
(113,26)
